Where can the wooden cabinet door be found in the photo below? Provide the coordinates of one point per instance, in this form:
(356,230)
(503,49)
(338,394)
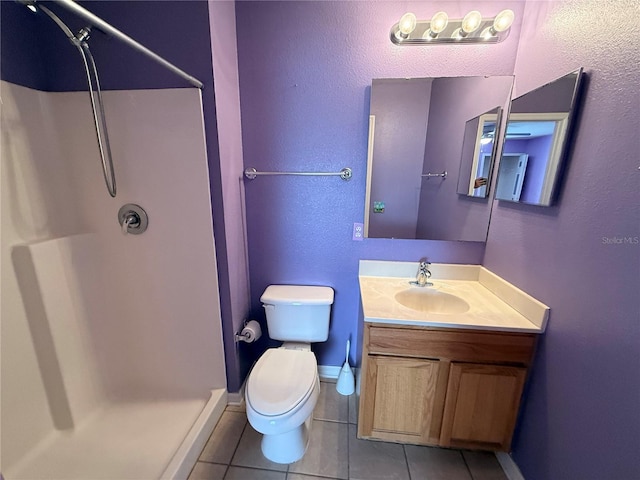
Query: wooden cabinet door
(401,399)
(481,406)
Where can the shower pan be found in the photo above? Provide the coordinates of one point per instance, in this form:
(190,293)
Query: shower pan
(112,361)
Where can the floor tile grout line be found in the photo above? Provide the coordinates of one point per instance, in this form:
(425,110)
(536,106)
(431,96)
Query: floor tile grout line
(310,475)
(314,475)
(237,445)
(349,441)
(466,464)
(330,420)
(235,450)
(406,460)
(259,469)
(213,463)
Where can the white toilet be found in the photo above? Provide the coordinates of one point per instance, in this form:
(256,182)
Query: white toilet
(283,386)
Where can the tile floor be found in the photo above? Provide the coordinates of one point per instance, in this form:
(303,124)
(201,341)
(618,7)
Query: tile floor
(233,452)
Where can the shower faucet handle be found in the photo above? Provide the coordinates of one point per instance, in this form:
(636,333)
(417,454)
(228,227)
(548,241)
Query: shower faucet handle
(133,219)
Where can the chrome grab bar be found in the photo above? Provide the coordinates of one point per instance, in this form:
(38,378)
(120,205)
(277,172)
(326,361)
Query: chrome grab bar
(345,173)
(429,175)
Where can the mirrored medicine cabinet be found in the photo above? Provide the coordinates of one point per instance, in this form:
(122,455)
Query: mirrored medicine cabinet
(536,142)
(434,144)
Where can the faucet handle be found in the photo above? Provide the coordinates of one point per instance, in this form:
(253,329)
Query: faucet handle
(423,274)
(424,270)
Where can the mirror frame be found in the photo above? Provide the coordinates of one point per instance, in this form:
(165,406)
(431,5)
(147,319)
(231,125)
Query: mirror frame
(466,180)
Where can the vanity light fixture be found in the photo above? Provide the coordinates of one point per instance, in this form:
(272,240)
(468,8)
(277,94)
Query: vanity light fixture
(473,28)
(470,23)
(406,25)
(438,23)
(502,22)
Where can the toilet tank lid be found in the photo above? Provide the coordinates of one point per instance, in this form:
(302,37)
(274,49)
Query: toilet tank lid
(297,295)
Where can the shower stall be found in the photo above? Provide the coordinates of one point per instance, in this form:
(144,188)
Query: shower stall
(111,362)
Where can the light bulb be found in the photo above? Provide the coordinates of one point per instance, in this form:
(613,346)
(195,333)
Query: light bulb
(503,21)
(32,7)
(407,24)
(438,22)
(470,22)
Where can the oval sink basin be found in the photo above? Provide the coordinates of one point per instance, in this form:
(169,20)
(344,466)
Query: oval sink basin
(431,301)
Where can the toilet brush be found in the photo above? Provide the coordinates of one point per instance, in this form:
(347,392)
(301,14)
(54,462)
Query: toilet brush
(346,381)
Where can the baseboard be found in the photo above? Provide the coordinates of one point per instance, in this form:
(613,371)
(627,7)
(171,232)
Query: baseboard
(328,372)
(509,466)
(237,398)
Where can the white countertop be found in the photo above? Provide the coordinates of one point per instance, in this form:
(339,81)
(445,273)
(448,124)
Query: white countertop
(494,304)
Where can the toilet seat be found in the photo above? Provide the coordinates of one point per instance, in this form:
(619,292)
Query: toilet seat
(281,380)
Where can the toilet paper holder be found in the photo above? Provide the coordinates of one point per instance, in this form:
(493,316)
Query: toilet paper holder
(240,337)
(250,332)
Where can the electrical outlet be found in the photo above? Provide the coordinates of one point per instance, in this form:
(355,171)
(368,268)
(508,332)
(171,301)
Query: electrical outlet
(358,231)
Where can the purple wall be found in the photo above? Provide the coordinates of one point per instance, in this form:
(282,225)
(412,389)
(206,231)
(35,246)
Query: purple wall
(305,69)
(443,214)
(22,61)
(581,257)
(401,108)
(225,65)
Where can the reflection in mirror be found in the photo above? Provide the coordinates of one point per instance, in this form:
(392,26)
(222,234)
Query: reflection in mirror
(416,127)
(536,142)
(479,147)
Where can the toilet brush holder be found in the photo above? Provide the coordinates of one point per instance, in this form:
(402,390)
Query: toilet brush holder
(346,382)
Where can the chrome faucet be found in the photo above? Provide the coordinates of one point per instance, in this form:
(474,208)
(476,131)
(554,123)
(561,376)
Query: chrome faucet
(423,275)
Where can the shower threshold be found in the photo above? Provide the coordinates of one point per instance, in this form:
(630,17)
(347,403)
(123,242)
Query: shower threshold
(138,440)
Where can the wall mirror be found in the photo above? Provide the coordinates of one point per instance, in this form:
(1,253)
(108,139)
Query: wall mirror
(417,129)
(535,146)
(479,147)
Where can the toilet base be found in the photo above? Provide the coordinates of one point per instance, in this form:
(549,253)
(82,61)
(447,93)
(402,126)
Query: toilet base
(287,447)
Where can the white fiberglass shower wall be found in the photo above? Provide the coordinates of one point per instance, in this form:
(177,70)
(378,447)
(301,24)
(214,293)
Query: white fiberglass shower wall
(112,361)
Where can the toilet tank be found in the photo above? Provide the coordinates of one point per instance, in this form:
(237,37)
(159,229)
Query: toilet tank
(298,313)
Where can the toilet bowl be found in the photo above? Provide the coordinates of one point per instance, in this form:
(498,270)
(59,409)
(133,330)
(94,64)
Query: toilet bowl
(281,393)
(283,386)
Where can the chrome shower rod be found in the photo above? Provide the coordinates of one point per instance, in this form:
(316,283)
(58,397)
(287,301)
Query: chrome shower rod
(100,24)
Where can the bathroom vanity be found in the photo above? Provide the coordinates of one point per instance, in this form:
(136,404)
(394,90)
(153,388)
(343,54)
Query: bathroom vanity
(446,364)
